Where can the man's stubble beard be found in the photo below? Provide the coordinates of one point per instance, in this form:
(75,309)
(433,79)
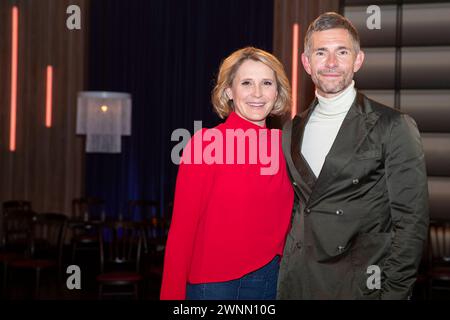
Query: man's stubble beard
(341,85)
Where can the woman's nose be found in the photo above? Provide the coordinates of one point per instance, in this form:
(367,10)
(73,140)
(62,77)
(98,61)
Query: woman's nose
(257,92)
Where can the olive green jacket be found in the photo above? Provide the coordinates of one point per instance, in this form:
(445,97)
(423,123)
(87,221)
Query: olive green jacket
(367,210)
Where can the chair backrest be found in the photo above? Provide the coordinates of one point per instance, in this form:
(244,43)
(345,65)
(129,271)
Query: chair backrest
(439,242)
(17,229)
(87,208)
(155,237)
(120,246)
(47,240)
(16,205)
(11,205)
(143,210)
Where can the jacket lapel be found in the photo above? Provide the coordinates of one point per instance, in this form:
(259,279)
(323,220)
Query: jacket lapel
(300,172)
(287,141)
(358,122)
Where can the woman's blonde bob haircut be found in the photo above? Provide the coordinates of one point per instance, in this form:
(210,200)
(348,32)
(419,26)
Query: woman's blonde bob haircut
(223,106)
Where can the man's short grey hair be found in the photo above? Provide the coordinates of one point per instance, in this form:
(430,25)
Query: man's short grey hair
(331,20)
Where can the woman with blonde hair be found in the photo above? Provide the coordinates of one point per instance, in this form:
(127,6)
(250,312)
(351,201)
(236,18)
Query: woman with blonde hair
(233,197)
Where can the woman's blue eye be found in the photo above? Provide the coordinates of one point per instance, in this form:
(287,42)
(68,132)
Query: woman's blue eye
(245,83)
(268,83)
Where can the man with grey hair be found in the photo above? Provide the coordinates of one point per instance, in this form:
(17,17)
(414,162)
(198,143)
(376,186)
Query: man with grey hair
(360,217)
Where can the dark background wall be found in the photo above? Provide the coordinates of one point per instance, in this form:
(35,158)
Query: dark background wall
(303,12)
(407,66)
(166,53)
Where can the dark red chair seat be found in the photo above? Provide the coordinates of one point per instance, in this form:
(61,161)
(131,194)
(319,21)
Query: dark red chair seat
(440,273)
(33,263)
(154,270)
(439,256)
(9,256)
(45,243)
(119,277)
(86,238)
(421,277)
(120,252)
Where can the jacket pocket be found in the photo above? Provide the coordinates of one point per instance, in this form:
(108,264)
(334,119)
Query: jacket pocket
(333,230)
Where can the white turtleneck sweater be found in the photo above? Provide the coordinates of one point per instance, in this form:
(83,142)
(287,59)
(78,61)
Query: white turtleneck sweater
(323,126)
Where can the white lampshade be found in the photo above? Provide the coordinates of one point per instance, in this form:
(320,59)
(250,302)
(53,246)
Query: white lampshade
(104,117)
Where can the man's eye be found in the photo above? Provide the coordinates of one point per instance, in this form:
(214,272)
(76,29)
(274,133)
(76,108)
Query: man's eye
(319,53)
(343,52)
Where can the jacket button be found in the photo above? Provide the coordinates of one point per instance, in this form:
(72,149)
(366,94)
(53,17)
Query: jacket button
(339,212)
(299,244)
(307,210)
(340,248)
(294,183)
(355,181)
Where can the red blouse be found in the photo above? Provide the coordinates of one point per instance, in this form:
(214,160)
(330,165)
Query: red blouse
(228,219)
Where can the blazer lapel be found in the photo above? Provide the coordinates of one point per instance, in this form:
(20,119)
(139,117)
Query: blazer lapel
(287,141)
(307,176)
(358,122)
(298,167)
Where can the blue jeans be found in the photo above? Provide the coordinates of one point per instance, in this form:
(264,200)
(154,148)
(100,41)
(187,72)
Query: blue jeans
(257,285)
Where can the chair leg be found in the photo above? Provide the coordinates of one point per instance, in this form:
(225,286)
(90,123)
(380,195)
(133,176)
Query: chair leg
(5,278)
(38,276)
(60,277)
(136,291)
(430,289)
(74,248)
(425,290)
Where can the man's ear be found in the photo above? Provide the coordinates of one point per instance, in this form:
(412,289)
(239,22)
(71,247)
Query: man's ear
(359,61)
(306,64)
(229,93)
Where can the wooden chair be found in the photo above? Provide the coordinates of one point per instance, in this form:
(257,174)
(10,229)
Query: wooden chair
(168,215)
(120,257)
(168,211)
(148,213)
(11,205)
(16,236)
(142,210)
(16,204)
(87,208)
(155,232)
(44,250)
(421,286)
(86,215)
(438,274)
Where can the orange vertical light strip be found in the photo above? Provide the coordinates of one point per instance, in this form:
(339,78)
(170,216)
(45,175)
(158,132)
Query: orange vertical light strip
(48,97)
(294,81)
(14,53)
